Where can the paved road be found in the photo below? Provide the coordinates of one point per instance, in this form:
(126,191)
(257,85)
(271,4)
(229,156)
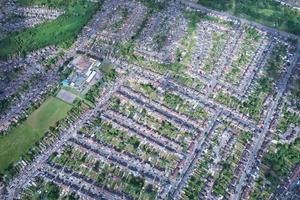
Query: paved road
(182,181)
(26,99)
(31,170)
(266,126)
(244,21)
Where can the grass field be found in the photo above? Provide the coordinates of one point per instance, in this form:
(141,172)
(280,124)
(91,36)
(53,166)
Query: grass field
(267,12)
(61,31)
(20,139)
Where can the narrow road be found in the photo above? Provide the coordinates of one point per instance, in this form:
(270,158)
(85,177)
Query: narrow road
(31,170)
(266,126)
(274,31)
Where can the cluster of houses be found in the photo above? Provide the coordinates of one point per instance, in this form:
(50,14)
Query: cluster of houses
(161,35)
(23,82)
(154,133)
(291,3)
(119,21)
(16,18)
(39,12)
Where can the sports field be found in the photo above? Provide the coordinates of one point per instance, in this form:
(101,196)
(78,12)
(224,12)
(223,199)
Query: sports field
(19,140)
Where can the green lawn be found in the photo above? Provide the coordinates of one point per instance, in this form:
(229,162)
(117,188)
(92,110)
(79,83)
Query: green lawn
(61,31)
(20,139)
(267,12)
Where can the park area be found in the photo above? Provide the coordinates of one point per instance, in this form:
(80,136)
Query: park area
(268,12)
(21,138)
(62,31)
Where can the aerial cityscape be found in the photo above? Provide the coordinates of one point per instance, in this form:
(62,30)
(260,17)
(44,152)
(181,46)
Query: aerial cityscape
(150,99)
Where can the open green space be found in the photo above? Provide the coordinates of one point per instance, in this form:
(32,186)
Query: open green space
(62,31)
(21,138)
(268,12)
